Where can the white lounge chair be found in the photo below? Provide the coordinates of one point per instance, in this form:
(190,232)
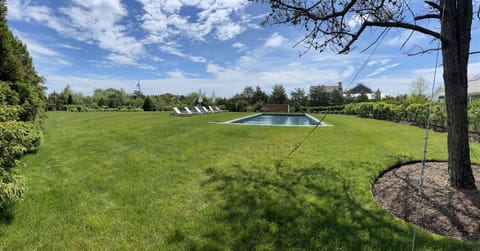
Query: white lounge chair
(206,110)
(198,110)
(211,109)
(179,113)
(191,112)
(220,110)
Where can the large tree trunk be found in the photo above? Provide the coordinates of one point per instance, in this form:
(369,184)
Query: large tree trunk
(455,30)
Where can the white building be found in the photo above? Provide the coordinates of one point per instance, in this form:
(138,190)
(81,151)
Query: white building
(473,90)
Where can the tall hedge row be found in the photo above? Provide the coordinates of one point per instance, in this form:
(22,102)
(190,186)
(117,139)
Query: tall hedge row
(415,113)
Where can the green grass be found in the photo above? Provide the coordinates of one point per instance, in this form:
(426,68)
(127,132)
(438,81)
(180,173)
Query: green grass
(122,181)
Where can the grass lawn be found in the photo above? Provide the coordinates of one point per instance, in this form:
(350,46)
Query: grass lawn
(119,181)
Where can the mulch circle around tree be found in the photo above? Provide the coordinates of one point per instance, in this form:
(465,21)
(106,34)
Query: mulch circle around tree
(444,210)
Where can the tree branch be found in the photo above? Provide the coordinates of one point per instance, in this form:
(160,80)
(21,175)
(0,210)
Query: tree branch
(428,16)
(422,51)
(392,25)
(405,26)
(307,11)
(434,5)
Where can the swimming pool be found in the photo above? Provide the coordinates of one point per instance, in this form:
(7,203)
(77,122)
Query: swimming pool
(277,120)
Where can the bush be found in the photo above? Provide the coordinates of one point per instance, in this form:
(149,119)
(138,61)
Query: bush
(16,139)
(438,117)
(12,187)
(10,112)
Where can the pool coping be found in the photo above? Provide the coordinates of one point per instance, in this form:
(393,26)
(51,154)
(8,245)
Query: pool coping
(232,122)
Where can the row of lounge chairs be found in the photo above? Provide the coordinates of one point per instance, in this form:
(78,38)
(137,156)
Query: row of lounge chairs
(196,111)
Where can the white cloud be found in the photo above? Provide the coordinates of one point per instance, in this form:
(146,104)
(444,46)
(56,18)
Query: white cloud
(229,31)
(214,68)
(176,74)
(90,21)
(67,46)
(165,20)
(173,49)
(239,46)
(121,59)
(382,69)
(378,61)
(398,37)
(275,41)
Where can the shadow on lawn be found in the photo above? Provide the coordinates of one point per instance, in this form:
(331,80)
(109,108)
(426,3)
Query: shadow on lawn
(280,208)
(6,215)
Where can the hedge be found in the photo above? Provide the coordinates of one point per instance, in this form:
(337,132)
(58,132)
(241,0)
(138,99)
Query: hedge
(415,113)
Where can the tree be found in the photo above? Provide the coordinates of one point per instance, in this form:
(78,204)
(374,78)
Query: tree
(319,96)
(148,104)
(337,97)
(362,97)
(248,94)
(22,104)
(259,97)
(279,96)
(419,86)
(298,98)
(327,27)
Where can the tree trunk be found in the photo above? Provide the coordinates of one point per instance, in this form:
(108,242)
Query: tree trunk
(455,31)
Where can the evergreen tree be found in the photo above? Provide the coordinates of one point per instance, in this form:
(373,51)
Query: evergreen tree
(279,96)
(148,104)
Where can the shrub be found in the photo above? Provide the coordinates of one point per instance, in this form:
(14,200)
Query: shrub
(12,187)
(16,139)
(10,112)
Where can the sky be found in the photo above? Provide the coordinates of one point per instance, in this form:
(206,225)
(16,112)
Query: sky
(216,46)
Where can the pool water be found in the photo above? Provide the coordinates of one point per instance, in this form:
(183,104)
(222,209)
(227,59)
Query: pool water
(278,120)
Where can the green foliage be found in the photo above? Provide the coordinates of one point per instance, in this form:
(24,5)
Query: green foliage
(16,139)
(22,110)
(279,95)
(335,109)
(15,61)
(408,111)
(12,187)
(148,104)
(10,112)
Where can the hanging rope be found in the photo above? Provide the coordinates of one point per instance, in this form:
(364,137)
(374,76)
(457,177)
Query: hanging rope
(379,41)
(425,148)
(306,137)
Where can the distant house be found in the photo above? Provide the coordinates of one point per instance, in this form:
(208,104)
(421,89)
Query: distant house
(359,89)
(327,88)
(362,89)
(323,95)
(473,90)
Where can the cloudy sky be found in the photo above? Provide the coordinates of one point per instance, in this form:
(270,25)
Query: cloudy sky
(218,46)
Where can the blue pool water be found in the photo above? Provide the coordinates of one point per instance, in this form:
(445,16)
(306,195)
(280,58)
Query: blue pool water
(278,120)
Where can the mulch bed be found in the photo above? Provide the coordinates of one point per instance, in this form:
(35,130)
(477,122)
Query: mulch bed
(444,210)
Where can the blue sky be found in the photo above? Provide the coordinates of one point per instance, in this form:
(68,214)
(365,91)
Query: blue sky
(218,46)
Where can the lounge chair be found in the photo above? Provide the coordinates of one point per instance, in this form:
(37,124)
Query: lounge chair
(198,110)
(220,110)
(177,112)
(206,110)
(212,110)
(191,112)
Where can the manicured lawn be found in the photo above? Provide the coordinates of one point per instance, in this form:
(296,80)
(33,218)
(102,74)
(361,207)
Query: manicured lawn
(122,181)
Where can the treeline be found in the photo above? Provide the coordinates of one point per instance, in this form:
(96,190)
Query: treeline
(22,110)
(249,100)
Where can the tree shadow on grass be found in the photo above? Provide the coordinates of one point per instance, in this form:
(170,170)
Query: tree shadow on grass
(281,207)
(6,215)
